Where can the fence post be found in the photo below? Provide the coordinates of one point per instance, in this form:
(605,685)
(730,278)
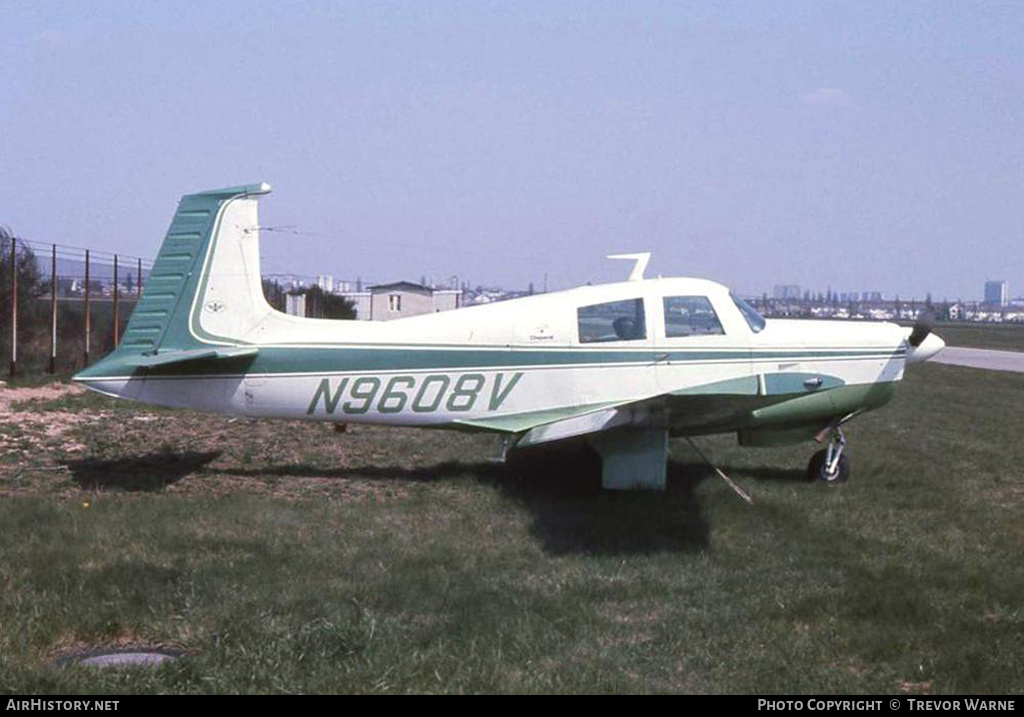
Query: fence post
(53,311)
(14,305)
(87,327)
(138,281)
(117,320)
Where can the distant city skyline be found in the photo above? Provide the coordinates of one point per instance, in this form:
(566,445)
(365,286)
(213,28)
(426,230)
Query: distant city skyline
(866,146)
(70,265)
(997,292)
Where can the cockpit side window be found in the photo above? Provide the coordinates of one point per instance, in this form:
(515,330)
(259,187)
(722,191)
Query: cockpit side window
(690,316)
(754,320)
(612,321)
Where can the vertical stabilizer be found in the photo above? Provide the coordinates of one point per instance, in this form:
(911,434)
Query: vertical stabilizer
(205,289)
(197,257)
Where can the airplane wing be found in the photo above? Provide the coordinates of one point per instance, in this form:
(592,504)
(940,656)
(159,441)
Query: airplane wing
(556,424)
(539,427)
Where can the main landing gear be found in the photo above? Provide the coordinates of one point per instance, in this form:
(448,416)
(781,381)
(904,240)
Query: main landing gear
(830,465)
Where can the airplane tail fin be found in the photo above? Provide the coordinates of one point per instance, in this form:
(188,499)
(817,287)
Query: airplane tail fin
(204,294)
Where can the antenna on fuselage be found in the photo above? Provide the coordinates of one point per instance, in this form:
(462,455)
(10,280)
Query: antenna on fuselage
(641,260)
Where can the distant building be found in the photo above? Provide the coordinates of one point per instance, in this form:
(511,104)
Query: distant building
(786,291)
(360,302)
(871,296)
(295,304)
(326,283)
(401,299)
(997,293)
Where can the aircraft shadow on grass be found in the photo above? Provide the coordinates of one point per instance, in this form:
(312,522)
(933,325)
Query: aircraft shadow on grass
(561,491)
(764,473)
(570,513)
(146,473)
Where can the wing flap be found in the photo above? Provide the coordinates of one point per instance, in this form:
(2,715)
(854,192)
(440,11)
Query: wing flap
(538,427)
(519,422)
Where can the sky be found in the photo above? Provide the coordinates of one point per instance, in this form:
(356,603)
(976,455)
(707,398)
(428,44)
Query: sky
(869,146)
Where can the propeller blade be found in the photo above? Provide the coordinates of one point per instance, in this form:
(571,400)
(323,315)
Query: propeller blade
(922,327)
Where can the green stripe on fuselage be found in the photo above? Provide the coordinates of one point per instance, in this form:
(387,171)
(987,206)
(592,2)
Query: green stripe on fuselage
(283,360)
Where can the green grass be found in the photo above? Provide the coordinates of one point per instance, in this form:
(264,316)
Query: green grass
(1003,337)
(286,558)
(35,379)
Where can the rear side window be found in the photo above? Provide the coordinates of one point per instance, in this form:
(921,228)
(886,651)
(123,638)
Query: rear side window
(690,316)
(613,321)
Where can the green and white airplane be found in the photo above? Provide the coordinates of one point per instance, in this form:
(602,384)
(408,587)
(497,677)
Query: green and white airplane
(618,367)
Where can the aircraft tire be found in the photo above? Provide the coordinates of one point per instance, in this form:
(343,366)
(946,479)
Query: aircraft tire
(816,469)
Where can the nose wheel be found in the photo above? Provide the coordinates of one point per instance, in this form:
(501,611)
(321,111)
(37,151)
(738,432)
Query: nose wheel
(830,465)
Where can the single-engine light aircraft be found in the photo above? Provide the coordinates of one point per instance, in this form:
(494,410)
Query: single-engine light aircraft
(620,367)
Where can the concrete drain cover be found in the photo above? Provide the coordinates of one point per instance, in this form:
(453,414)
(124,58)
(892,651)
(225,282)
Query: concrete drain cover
(138,657)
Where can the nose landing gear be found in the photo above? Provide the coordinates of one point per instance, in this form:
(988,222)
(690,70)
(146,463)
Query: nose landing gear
(830,465)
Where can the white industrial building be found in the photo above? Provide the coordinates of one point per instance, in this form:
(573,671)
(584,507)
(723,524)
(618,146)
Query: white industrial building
(326,283)
(400,299)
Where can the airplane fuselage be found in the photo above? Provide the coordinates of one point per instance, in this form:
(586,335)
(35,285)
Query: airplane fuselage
(659,356)
(394,376)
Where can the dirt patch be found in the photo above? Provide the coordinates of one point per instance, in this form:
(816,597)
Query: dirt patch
(55,440)
(29,432)
(10,395)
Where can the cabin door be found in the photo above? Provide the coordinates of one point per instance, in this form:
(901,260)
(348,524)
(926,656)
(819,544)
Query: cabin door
(702,357)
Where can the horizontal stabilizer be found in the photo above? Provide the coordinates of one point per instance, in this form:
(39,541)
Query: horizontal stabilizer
(165,358)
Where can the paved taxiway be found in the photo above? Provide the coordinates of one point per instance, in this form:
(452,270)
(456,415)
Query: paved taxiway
(982,358)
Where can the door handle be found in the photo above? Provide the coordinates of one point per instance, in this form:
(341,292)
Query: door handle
(658,358)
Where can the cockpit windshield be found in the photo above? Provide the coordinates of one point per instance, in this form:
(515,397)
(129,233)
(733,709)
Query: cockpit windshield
(754,320)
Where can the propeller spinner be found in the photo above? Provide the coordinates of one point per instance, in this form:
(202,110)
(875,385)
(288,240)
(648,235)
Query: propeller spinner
(924,325)
(923,344)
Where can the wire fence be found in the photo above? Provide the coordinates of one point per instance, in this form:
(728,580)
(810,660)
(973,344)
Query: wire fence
(63,307)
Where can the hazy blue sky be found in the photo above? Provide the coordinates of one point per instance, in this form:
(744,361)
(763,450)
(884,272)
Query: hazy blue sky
(861,145)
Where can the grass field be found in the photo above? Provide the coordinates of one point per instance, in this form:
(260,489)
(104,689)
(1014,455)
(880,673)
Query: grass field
(284,557)
(1003,337)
